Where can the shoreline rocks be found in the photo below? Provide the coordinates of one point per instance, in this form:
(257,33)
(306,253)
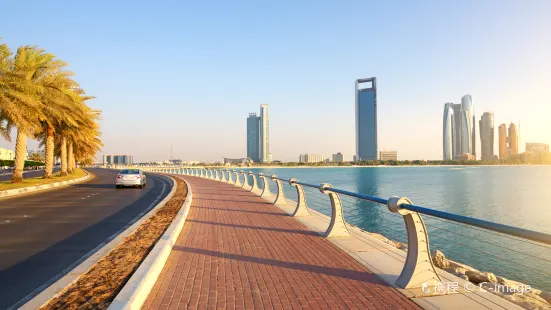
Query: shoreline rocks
(534,299)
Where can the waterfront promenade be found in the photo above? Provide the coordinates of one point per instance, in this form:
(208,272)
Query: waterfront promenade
(238,251)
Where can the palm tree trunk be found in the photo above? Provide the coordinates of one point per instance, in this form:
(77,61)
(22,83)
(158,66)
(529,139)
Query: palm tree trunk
(49,153)
(19,162)
(70,157)
(63,156)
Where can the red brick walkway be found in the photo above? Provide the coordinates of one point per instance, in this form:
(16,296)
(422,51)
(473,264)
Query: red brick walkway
(238,252)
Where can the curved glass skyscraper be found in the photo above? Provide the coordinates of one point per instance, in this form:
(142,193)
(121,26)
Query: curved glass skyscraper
(448,146)
(459,119)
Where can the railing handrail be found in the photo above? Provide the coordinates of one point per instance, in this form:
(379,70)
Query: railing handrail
(501,228)
(496,227)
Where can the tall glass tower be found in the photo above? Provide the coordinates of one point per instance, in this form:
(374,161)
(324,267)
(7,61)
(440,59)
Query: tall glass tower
(366,119)
(464,128)
(258,145)
(486,127)
(448,133)
(264,134)
(253,137)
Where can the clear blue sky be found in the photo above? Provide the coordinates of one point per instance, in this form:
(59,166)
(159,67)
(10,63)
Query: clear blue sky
(188,73)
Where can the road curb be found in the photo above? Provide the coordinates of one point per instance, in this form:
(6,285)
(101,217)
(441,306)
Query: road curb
(44,187)
(73,274)
(135,291)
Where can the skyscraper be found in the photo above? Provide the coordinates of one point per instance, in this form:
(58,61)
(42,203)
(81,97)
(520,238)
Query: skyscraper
(486,126)
(513,139)
(502,132)
(448,134)
(468,128)
(463,126)
(253,137)
(258,147)
(264,134)
(366,120)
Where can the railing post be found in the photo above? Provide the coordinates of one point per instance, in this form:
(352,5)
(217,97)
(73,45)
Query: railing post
(223,179)
(254,187)
(280,198)
(211,171)
(418,268)
(230,177)
(237,181)
(302,207)
(266,190)
(202,173)
(337,227)
(216,177)
(245,180)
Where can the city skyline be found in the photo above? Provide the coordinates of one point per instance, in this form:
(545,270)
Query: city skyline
(306,67)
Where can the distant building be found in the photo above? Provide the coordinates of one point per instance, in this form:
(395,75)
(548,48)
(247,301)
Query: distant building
(237,161)
(42,153)
(502,136)
(366,119)
(253,137)
(388,155)
(111,159)
(531,157)
(258,138)
(6,154)
(486,125)
(310,158)
(537,147)
(466,156)
(341,158)
(512,140)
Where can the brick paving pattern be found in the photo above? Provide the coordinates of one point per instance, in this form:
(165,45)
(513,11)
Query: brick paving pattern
(237,251)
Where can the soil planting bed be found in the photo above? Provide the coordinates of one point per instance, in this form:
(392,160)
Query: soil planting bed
(100,285)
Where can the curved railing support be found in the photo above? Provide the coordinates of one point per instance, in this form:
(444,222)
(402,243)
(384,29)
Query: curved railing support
(418,268)
(216,176)
(266,190)
(337,227)
(280,198)
(223,179)
(237,181)
(302,207)
(245,180)
(254,187)
(230,177)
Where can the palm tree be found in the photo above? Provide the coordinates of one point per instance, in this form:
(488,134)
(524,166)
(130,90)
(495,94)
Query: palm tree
(62,107)
(19,100)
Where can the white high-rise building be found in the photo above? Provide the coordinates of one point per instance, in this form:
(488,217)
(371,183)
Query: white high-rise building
(448,147)
(264,134)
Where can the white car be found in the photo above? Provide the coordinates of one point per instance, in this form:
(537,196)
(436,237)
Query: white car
(131,177)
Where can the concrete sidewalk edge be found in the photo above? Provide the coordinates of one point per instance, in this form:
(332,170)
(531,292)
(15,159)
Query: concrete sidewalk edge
(38,188)
(136,290)
(73,274)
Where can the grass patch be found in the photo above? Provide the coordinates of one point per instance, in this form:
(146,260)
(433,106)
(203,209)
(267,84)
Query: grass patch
(7,185)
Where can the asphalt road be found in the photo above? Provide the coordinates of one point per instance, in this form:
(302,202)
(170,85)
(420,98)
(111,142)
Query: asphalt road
(26,174)
(42,235)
